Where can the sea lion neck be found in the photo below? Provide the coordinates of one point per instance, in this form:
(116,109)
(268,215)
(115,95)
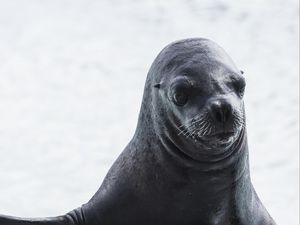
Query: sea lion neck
(214,183)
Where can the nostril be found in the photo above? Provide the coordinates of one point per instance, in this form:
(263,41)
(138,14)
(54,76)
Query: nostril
(219,116)
(221,111)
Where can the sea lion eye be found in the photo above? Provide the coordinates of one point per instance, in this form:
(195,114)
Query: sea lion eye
(180,98)
(180,91)
(239,86)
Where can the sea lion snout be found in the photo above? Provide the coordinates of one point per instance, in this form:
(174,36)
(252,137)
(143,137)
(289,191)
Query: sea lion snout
(221,111)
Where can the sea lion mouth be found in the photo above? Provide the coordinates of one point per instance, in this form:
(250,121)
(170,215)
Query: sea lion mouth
(221,138)
(207,132)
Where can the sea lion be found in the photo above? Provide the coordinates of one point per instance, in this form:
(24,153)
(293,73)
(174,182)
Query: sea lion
(187,163)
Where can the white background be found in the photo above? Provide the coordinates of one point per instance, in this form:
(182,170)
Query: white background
(71,81)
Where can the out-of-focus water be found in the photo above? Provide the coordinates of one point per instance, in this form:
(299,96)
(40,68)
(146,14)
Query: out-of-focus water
(71,82)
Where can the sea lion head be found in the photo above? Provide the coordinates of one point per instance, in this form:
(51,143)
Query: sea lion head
(195,96)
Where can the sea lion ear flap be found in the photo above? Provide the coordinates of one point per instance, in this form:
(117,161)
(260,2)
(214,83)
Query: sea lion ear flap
(242,72)
(157,85)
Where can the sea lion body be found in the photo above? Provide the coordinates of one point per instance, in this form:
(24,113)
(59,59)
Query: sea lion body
(187,163)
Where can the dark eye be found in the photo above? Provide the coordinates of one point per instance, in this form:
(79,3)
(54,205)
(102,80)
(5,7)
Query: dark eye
(180,90)
(239,86)
(180,98)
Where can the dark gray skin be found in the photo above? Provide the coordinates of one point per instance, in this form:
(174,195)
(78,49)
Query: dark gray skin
(187,163)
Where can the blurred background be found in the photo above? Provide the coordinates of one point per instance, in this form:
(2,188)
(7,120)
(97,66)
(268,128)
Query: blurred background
(71,81)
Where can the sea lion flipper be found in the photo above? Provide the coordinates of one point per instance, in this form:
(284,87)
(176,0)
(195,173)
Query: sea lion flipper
(74,217)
